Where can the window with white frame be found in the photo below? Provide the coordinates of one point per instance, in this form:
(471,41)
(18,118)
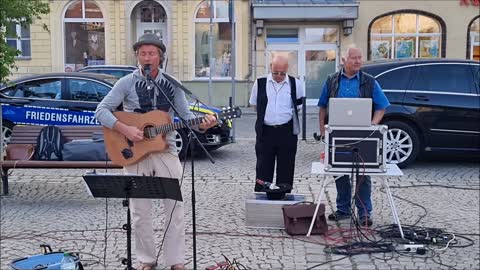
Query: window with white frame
(474,32)
(219,62)
(18,37)
(84,29)
(405,35)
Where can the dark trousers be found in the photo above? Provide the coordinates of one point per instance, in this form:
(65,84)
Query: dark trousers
(280,145)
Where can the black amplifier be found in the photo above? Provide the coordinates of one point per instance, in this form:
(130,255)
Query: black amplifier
(348,147)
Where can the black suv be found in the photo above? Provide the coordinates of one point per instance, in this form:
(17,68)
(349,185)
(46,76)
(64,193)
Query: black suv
(435,106)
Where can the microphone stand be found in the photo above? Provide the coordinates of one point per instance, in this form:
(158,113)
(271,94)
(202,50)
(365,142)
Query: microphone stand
(192,140)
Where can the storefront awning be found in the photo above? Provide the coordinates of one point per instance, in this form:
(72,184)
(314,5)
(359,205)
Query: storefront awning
(305,9)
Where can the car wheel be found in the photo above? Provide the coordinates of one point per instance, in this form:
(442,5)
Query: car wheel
(181,142)
(7,128)
(403,143)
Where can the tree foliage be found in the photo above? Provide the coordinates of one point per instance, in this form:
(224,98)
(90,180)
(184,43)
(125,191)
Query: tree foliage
(21,12)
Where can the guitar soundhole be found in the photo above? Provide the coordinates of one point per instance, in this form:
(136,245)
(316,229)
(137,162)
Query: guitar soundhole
(127,153)
(149,132)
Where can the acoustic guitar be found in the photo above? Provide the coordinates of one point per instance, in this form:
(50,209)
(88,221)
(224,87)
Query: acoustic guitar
(155,126)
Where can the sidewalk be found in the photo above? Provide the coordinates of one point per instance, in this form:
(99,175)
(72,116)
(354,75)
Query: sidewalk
(53,207)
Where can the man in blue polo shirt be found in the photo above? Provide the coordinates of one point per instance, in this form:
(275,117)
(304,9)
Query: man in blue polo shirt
(351,82)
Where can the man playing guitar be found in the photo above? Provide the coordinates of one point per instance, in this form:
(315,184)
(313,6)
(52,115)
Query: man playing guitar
(136,94)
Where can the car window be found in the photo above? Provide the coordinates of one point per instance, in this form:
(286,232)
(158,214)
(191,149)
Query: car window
(397,79)
(47,89)
(476,77)
(86,90)
(116,73)
(444,78)
(10,91)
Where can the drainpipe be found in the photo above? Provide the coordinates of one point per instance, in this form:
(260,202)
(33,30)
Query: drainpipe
(233,60)
(210,61)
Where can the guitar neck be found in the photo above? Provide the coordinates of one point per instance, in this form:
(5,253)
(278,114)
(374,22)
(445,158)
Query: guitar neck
(174,126)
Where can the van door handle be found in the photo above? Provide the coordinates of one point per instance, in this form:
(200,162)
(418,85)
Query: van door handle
(421,98)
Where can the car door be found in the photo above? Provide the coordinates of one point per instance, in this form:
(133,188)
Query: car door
(395,82)
(82,98)
(34,102)
(446,102)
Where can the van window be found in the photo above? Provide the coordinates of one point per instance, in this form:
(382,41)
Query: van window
(46,88)
(85,90)
(453,78)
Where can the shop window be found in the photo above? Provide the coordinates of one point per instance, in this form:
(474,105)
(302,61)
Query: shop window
(321,35)
(18,37)
(218,63)
(474,32)
(405,35)
(84,35)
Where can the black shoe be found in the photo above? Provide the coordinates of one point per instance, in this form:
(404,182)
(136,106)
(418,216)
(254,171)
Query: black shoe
(338,216)
(366,221)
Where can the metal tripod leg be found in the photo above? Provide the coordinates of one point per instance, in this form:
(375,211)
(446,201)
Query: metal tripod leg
(323,184)
(396,220)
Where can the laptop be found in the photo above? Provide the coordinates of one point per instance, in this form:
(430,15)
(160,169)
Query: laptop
(351,112)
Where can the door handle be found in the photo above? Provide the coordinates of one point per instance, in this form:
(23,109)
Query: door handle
(421,98)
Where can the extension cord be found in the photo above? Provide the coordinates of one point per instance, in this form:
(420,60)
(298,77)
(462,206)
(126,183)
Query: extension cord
(416,248)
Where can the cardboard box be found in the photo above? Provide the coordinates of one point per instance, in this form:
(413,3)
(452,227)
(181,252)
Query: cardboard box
(263,213)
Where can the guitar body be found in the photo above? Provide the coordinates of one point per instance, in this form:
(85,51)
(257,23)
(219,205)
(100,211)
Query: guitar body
(125,152)
(155,125)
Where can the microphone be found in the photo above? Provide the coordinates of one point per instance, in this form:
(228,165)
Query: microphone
(148,72)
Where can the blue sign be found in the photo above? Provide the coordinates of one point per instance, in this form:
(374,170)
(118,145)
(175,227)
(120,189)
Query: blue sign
(47,116)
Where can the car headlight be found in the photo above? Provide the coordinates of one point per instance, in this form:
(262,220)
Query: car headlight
(200,112)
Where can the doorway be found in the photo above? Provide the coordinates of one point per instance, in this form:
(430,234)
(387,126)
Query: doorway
(150,17)
(311,64)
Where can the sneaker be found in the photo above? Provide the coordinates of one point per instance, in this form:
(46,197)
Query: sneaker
(366,221)
(338,216)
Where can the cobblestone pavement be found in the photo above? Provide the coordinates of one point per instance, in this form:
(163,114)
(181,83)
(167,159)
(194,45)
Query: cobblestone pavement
(53,207)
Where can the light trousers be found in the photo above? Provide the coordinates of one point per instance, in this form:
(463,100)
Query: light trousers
(162,165)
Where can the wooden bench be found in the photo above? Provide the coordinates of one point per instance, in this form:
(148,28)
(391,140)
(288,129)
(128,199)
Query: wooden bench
(29,134)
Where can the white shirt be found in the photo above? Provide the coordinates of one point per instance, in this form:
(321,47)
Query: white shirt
(279,106)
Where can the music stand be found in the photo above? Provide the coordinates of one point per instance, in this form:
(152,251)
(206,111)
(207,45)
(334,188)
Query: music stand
(104,185)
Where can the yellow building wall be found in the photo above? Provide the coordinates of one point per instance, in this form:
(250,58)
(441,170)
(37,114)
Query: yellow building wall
(40,61)
(48,48)
(455,16)
(182,56)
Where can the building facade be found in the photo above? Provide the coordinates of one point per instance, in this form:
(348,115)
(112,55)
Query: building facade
(312,34)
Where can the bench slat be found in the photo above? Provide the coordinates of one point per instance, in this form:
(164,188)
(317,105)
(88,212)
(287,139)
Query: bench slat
(29,134)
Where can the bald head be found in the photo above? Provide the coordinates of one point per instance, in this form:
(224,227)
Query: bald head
(280,60)
(279,68)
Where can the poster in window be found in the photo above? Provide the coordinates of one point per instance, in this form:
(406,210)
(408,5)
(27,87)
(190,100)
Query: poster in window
(69,67)
(96,45)
(429,48)
(224,31)
(380,49)
(404,48)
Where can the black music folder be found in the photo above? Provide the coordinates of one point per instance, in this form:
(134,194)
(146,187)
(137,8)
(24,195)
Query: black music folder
(108,185)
